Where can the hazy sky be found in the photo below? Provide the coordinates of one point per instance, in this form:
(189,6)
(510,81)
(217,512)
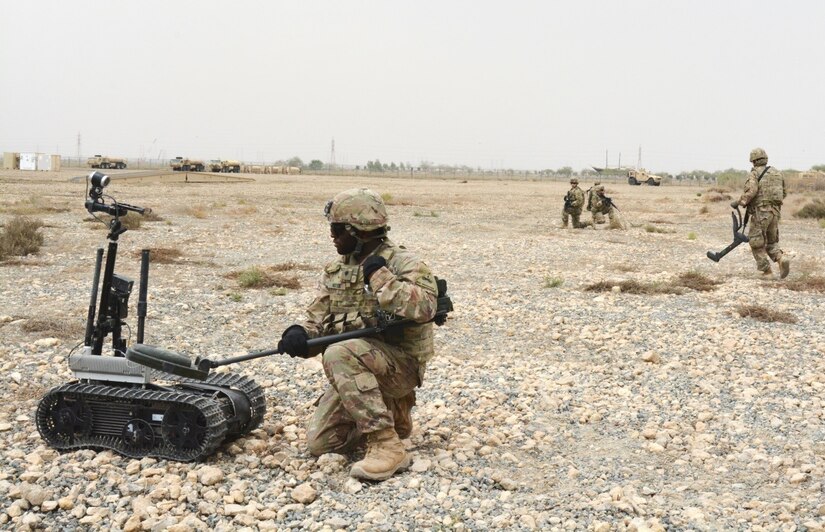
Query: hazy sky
(527,85)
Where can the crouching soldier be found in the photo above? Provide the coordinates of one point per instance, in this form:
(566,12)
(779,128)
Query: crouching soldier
(372,379)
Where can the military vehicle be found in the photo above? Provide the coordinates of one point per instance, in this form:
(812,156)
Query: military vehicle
(637,177)
(161,409)
(180,164)
(100,161)
(226,166)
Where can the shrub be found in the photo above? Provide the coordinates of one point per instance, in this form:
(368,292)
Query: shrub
(553,282)
(256,277)
(653,229)
(815,209)
(691,236)
(20,237)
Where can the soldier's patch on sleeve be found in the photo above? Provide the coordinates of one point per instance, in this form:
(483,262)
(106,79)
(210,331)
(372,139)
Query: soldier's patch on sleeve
(365,382)
(427,281)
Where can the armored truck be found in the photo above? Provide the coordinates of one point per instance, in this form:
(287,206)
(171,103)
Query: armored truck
(181,164)
(100,161)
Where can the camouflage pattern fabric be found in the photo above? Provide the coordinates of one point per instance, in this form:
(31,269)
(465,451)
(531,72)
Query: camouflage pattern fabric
(598,217)
(359,207)
(602,207)
(368,374)
(763,199)
(576,197)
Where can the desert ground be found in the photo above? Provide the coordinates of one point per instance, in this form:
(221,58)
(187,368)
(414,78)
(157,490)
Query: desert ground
(559,399)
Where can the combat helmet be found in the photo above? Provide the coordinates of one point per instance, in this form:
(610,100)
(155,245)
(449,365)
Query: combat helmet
(574,181)
(758,153)
(360,208)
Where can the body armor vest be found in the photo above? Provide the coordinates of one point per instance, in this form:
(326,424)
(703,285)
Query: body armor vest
(771,190)
(352,307)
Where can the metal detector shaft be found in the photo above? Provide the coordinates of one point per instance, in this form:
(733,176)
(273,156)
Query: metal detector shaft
(321,341)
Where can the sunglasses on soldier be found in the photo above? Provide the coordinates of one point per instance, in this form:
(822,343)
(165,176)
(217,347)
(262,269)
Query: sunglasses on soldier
(337,229)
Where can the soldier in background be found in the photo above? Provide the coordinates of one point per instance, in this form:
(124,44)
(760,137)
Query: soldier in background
(573,203)
(373,379)
(604,205)
(598,218)
(764,192)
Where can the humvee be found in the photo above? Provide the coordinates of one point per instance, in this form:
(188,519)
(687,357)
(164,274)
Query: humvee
(637,177)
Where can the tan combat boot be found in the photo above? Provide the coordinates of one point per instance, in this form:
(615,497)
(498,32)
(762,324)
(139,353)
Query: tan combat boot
(385,456)
(784,267)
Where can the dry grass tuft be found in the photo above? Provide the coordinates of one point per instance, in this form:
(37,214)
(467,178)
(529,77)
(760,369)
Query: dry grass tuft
(20,237)
(697,281)
(806,283)
(256,277)
(815,209)
(163,255)
(634,287)
(704,210)
(714,196)
(692,280)
(196,211)
(62,328)
(287,266)
(765,314)
(152,216)
(30,206)
(653,229)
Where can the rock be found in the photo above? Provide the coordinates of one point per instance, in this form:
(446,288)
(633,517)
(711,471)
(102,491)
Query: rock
(36,495)
(421,465)
(352,486)
(304,493)
(210,475)
(652,357)
(374,516)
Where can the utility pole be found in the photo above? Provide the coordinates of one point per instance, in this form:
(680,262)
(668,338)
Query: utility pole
(332,155)
(78,148)
(639,162)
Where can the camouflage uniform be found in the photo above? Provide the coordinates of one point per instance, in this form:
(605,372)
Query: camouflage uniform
(372,379)
(763,199)
(599,205)
(598,217)
(575,197)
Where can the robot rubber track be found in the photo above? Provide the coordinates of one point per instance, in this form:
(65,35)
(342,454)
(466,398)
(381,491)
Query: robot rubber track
(182,422)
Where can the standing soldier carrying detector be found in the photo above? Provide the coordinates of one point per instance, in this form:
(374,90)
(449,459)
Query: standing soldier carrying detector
(573,203)
(763,195)
(372,379)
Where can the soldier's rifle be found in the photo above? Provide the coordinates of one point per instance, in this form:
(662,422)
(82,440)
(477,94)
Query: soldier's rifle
(739,235)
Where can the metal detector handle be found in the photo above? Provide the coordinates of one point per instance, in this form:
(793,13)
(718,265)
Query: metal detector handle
(321,341)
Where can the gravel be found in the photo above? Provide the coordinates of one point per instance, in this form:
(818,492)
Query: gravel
(546,408)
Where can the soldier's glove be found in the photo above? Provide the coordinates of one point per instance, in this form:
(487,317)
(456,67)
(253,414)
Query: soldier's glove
(294,342)
(372,265)
(734,204)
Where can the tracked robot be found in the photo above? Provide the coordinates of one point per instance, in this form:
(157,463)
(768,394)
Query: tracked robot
(127,407)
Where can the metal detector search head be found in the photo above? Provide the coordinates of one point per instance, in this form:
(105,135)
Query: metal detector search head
(165,361)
